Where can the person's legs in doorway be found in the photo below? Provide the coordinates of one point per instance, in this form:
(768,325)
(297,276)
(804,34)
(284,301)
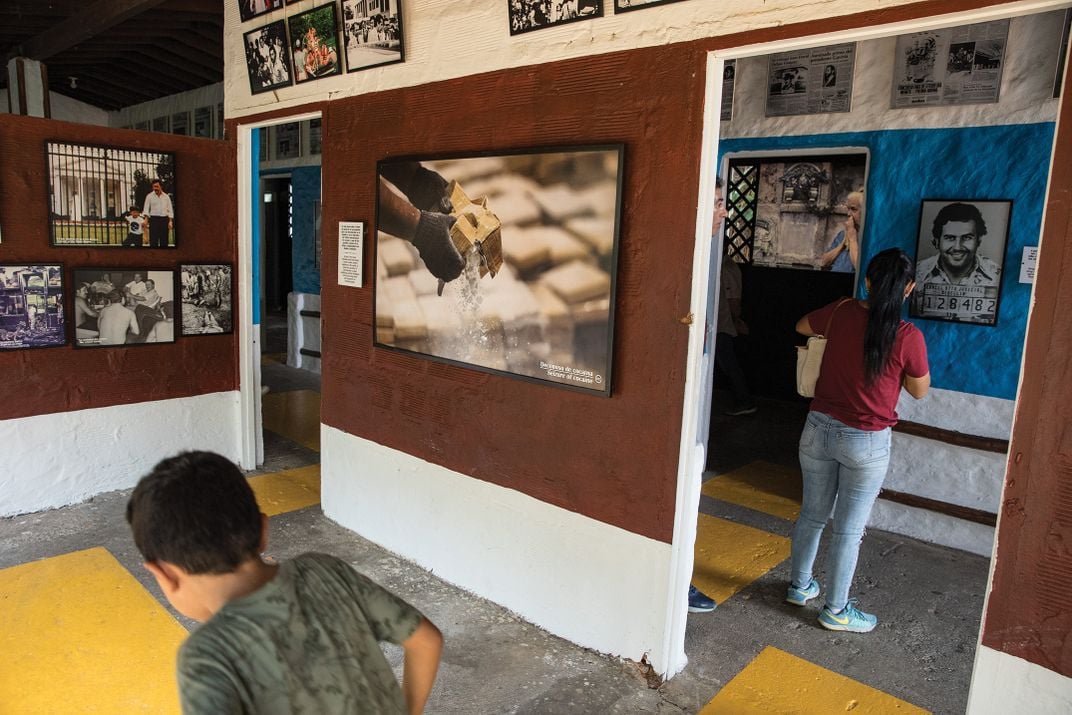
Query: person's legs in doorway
(820,473)
(726,359)
(865,457)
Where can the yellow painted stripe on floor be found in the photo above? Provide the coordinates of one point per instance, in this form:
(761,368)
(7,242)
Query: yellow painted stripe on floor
(294,415)
(79,634)
(777,682)
(769,488)
(730,556)
(289,490)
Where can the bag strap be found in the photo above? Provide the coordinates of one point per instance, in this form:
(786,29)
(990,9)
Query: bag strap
(831,318)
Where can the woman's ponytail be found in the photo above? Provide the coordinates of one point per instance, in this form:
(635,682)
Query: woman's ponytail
(888,274)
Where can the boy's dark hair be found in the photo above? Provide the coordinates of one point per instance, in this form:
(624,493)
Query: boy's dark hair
(197,511)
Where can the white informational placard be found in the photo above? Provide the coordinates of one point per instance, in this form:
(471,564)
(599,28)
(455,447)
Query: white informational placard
(1028,263)
(351,246)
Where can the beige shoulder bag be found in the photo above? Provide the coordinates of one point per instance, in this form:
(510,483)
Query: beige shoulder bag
(810,357)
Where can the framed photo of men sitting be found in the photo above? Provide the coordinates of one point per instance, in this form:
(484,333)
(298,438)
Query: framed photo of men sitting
(123,307)
(960,256)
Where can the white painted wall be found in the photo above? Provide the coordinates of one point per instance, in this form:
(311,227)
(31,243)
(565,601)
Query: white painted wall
(517,551)
(208,96)
(68,457)
(456,38)
(66,109)
(1003,684)
(302,332)
(1026,90)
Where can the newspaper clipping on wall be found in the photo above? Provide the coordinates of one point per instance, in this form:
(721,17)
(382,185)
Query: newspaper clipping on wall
(813,81)
(729,74)
(956,65)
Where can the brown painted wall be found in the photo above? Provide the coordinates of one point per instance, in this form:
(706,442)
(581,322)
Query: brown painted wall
(1030,608)
(612,459)
(63,379)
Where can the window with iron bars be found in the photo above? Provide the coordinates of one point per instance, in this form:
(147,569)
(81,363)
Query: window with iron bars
(742,196)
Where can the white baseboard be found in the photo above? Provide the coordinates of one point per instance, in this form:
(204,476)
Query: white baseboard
(589,582)
(1003,684)
(931,526)
(67,457)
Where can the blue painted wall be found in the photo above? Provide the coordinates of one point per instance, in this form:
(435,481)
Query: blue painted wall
(1005,162)
(305,183)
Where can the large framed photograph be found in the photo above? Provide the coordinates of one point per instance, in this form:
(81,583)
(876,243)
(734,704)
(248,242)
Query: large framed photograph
(205,292)
(267,58)
(627,5)
(505,263)
(960,255)
(31,306)
(314,38)
(122,306)
(110,197)
(529,15)
(250,9)
(373,33)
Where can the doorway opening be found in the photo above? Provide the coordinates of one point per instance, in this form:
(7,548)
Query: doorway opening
(778,148)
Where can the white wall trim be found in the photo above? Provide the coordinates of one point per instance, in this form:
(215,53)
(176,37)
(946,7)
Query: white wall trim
(67,457)
(589,582)
(1002,684)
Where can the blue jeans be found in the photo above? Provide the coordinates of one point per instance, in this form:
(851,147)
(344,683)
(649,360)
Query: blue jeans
(848,465)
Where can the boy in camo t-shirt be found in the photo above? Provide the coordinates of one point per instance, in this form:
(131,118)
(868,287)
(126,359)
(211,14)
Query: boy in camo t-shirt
(298,638)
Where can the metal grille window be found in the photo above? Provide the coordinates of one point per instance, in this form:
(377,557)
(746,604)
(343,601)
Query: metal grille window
(742,198)
(91,189)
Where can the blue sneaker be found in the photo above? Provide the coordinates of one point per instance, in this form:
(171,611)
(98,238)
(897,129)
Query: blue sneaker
(800,596)
(699,602)
(850,619)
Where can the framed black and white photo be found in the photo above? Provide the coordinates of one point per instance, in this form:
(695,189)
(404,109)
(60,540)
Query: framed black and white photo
(205,293)
(372,32)
(627,5)
(123,306)
(519,279)
(267,58)
(249,9)
(31,306)
(111,197)
(314,43)
(529,15)
(960,256)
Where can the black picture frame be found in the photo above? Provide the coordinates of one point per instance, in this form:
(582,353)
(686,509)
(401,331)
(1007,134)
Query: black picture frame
(565,337)
(526,15)
(370,39)
(30,285)
(951,241)
(112,180)
(631,5)
(249,9)
(323,23)
(265,74)
(155,325)
(206,299)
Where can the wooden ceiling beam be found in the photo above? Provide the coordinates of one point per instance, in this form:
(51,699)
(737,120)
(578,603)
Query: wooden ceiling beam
(90,22)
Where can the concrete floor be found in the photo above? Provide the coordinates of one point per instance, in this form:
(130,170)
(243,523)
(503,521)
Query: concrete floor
(928,599)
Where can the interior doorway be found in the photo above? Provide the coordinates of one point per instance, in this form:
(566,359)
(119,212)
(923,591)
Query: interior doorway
(925,507)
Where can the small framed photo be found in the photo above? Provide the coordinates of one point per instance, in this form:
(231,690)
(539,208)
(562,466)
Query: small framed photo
(373,34)
(267,59)
(960,255)
(206,290)
(123,306)
(31,306)
(111,197)
(627,5)
(250,9)
(529,15)
(314,42)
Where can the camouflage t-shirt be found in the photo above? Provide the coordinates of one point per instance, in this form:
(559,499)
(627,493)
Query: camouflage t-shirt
(305,643)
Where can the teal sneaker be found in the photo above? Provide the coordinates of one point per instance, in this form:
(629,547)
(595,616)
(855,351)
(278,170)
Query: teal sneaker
(850,619)
(800,596)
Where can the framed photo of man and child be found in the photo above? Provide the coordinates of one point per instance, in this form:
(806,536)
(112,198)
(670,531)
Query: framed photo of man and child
(110,197)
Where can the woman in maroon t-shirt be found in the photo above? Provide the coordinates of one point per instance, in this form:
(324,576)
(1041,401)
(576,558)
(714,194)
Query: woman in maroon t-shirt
(845,448)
